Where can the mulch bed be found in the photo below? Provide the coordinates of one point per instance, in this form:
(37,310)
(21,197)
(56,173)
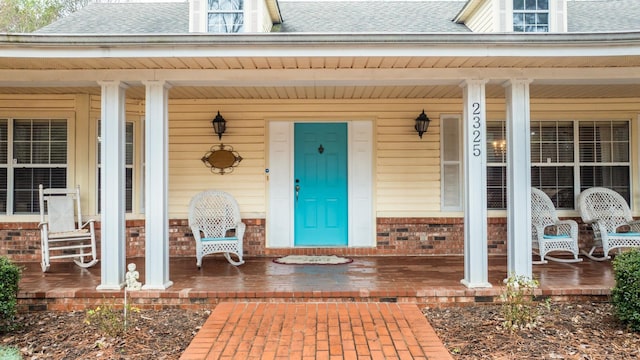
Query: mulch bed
(566,331)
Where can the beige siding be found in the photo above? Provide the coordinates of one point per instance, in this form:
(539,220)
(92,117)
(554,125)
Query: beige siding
(407,180)
(483,18)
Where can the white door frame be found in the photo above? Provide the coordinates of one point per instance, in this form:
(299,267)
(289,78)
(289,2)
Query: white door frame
(280,221)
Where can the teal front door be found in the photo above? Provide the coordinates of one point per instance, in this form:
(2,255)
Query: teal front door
(320,184)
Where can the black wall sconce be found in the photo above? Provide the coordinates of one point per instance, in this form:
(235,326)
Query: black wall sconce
(422,124)
(219,125)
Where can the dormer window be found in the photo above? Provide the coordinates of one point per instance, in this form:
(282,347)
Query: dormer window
(225,16)
(531,15)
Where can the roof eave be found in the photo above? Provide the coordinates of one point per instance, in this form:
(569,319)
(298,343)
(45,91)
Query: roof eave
(208,39)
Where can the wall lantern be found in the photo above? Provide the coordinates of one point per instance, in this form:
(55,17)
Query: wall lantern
(219,125)
(422,124)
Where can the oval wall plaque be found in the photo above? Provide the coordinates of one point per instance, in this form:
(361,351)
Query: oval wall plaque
(221,159)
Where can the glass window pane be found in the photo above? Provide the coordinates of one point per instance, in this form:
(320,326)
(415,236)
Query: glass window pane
(518,4)
(518,20)
(22,152)
(450,140)
(542,19)
(620,152)
(543,4)
(620,131)
(530,19)
(530,4)
(40,153)
(40,130)
(565,152)
(59,153)
(58,130)
(3,190)
(22,130)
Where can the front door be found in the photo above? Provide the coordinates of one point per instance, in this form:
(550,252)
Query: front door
(320,184)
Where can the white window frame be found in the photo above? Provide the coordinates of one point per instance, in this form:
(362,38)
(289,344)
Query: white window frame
(446,120)
(515,11)
(234,12)
(11,165)
(577,164)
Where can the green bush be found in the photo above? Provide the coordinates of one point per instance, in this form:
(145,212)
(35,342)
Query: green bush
(9,353)
(9,278)
(626,292)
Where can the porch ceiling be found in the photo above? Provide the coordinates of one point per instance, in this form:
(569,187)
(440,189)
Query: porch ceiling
(315,66)
(326,62)
(348,92)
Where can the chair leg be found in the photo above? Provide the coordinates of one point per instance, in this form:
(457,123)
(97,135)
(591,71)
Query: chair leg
(85,265)
(539,262)
(233,262)
(595,258)
(574,260)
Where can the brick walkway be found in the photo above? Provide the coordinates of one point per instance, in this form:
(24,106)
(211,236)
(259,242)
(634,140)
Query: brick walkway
(261,330)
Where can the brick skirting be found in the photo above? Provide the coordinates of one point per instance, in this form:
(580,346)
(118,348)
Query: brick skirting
(394,236)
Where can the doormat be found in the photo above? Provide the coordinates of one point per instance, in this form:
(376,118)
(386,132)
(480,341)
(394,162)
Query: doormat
(312,260)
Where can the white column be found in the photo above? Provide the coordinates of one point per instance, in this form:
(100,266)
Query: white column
(476,271)
(518,179)
(112,206)
(156,186)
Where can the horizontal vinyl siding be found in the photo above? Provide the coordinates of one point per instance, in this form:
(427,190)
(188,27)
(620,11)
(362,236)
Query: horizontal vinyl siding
(482,19)
(407,168)
(10,104)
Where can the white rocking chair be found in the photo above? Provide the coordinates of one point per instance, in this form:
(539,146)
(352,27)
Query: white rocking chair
(611,221)
(214,218)
(61,236)
(564,237)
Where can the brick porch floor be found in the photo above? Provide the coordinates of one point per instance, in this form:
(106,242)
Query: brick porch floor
(426,281)
(331,301)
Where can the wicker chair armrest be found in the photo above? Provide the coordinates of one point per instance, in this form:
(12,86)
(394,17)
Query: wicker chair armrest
(566,227)
(89,223)
(634,225)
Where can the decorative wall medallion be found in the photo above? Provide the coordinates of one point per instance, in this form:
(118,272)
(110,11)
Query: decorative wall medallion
(221,159)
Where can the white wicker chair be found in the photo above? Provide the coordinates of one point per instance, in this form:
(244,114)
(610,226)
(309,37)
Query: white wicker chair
(62,233)
(214,218)
(611,221)
(565,232)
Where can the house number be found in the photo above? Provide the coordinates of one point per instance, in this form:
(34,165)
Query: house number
(477,135)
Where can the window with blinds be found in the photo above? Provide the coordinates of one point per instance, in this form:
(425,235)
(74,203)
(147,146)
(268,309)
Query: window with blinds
(38,152)
(566,158)
(129,136)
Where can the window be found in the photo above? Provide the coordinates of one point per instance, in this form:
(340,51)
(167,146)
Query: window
(32,152)
(129,136)
(561,166)
(225,16)
(451,165)
(531,15)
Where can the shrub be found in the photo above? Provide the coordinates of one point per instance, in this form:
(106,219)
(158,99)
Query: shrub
(519,308)
(9,278)
(9,353)
(625,295)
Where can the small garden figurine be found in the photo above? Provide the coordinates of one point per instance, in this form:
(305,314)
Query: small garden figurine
(132,278)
